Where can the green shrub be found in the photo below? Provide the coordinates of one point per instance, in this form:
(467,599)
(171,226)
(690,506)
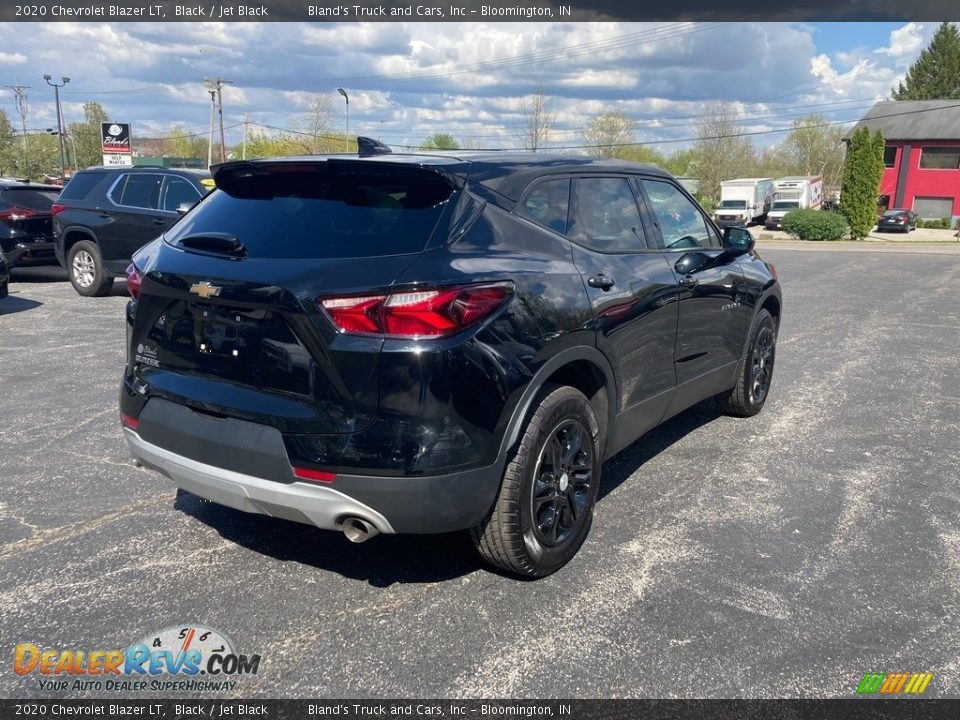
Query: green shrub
(935,223)
(708,205)
(815,224)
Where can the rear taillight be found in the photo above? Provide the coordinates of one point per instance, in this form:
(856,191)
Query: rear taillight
(417,313)
(15,212)
(134,278)
(773,270)
(130,422)
(57,208)
(303,473)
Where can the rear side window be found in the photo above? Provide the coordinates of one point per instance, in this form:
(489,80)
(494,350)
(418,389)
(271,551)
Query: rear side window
(547,204)
(318,210)
(138,190)
(39,200)
(176,192)
(80,185)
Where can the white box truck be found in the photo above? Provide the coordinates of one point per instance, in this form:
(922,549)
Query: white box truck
(793,193)
(743,201)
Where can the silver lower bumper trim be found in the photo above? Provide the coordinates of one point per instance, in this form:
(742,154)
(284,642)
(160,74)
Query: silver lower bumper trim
(301,502)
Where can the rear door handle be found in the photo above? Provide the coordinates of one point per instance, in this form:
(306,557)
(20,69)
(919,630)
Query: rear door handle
(159,221)
(601,281)
(688,281)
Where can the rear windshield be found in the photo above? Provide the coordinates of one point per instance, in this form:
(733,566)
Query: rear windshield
(785,205)
(893,213)
(80,185)
(31,199)
(733,205)
(321,211)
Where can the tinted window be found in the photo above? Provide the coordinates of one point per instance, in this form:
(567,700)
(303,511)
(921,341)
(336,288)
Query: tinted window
(889,156)
(785,205)
(547,204)
(80,185)
(682,225)
(177,191)
(316,210)
(733,205)
(605,216)
(138,190)
(39,200)
(940,158)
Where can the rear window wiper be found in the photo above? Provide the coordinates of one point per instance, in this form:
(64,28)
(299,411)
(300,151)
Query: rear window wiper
(212,242)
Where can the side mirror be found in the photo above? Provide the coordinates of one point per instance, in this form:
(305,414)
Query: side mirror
(184,208)
(692,262)
(738,239)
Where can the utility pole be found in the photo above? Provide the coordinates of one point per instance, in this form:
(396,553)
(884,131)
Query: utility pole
(216,85)
(56,94)
(245,121)
(18,90)
(213,107)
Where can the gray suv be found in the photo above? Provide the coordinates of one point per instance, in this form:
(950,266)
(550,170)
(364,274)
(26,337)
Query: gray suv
(104,215)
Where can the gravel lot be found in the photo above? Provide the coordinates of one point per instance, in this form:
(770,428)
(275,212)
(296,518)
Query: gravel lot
(785,555)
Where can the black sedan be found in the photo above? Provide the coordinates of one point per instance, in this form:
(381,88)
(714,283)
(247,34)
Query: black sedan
(902,220)
(26,224)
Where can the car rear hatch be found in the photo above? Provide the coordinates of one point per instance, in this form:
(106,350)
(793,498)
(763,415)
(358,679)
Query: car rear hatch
(227,321)
(27,211)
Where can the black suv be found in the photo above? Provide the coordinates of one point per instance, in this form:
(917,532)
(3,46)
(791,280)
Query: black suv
(26,227)
(428,343)
(105,214)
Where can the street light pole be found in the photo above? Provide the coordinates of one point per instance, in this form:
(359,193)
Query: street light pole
(347,98)
(56,94)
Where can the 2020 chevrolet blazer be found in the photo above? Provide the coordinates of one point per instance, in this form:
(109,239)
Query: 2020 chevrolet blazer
(427,343)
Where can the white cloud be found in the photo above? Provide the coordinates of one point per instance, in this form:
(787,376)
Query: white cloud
(905,41)
(12,58)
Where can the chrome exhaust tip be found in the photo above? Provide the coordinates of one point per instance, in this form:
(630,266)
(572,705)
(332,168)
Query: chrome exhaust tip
(358,530)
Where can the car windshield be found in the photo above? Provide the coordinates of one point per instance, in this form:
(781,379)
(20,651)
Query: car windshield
(786,205)
(733,205)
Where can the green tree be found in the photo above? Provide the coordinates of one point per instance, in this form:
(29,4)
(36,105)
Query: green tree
(8,146)
(814,147)
(722,152)
(440,141)
(608,134)
(84,139)
(935,75)
(862,172)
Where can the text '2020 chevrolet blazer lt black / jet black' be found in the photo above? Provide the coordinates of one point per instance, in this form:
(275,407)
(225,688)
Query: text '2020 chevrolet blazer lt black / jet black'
(427,343)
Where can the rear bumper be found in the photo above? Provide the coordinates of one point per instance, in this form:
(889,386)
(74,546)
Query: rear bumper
(34,253)
(404,504)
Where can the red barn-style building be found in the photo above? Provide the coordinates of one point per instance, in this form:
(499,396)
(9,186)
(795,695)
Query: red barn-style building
(922,155)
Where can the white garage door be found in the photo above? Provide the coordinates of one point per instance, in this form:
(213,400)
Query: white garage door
(931,207)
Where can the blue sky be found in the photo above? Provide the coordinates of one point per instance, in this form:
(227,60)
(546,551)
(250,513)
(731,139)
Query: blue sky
(408,81)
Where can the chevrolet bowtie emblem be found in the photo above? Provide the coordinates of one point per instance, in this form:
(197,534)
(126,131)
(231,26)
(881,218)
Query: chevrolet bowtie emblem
(205,289)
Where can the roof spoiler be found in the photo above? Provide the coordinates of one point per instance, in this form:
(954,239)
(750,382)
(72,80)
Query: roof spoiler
(368,146)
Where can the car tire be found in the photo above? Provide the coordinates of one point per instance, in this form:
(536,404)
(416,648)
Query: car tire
(544,508)
(86,271)
(755,374)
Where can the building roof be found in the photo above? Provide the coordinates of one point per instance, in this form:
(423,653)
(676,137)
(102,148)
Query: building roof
(913,120)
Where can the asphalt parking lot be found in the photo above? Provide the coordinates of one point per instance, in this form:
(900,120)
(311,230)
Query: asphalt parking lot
(784,555)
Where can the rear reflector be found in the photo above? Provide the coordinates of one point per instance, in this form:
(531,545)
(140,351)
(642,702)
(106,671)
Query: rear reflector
(57,208)
(418,313)
(130,422)
(134,278)
(314,475)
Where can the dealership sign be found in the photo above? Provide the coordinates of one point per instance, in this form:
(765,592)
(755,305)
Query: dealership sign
(116,143)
